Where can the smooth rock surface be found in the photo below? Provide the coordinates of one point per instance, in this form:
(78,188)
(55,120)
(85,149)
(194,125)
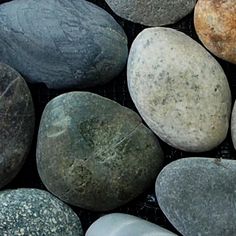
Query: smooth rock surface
(36,212)
(62,43)
(179,89)
(152,12)
(16,123)
(197,195)
(215,24)
(233,125)
(94,153)
(118,224)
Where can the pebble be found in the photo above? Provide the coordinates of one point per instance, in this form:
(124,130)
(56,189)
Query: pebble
(215,24)
(118,224)
(36,212)
(179,89)
(233,125)
(197,195)
(16,123)
(94,153)
(61,43)
(152,13)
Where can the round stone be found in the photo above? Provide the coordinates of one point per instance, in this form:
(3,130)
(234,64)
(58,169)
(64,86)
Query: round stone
(215,24)
(233,125)
(94,153)
(36,212)
(61,43)
(197,195)
(153,12)
(179,89)
(16,123)
(118,224)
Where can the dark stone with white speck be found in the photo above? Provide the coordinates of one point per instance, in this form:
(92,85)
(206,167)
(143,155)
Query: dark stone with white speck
(94,153)
(152,12)
(62,43)
(36,212)
(198,196)
(16,123)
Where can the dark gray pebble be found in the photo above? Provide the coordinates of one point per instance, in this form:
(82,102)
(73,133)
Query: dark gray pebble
(94,153)
(16,123)
(62,43)
(34,212)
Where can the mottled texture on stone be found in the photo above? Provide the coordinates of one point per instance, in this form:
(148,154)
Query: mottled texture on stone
(62,43)
(233,125)
(198,196)
(94,153)
(152,12)
(37,213)
(118,224)
(16,123)
(215,24)
(179,89)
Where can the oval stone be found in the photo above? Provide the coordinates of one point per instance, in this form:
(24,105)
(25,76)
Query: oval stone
(215,24)
(118,224)
(36,212)
(152,13)
(233,125)
(197,195)
(179,89)
(94,153)
(61,43)
(16,123)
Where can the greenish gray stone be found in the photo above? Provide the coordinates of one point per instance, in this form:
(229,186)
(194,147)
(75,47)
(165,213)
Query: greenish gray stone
(198,196)
(152,12)
(37,213)
(61,43)
(94,153)
(179,89)
(118,224)
(16,123)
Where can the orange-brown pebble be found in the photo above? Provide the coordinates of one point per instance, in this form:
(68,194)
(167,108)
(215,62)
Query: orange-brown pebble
(215,24)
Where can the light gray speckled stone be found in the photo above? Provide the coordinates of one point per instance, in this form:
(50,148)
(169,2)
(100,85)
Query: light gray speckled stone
(152,12)
(233,125)
(16,123)
(36,212)
(61,43)
(179,89)
(94,153)
(118,224)
(198,196)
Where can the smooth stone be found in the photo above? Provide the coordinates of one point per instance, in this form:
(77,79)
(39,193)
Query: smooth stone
(16,123)
(152,13)
(36,212)
(61,43)
(233,125)
(94,153)
(197,195)
(118,224)
(215,24)
(179,89)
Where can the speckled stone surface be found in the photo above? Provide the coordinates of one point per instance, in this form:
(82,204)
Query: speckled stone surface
(16,123)
(152,12)
(233,125)
(179,89)
(34,212)
(215,24)
(118,224)
(62,43)
(94,153)
(198,196)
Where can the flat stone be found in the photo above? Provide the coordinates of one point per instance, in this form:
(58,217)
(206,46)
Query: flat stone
(16,123)
(215,24)
(94,153)
(152,13)
(198,196)
(61,43)
(36,212)
(118,224)
(179,89)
